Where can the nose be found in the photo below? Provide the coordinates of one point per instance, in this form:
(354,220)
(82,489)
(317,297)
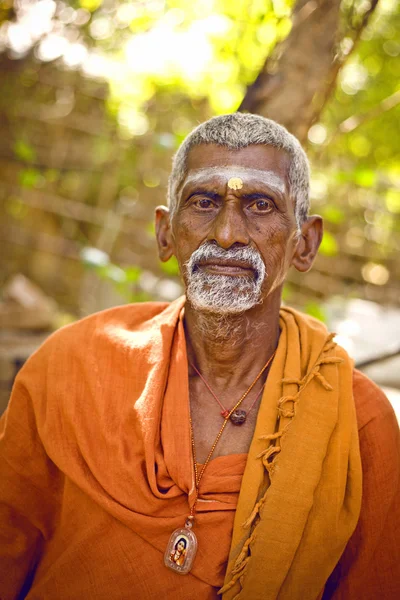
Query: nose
(230,227)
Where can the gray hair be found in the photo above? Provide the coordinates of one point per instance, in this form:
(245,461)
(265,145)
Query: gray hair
(239,130)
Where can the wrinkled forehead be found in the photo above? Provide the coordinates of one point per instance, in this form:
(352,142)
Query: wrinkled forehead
(236,176)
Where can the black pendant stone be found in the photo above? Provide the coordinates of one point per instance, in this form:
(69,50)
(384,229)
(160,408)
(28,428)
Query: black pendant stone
(238,416)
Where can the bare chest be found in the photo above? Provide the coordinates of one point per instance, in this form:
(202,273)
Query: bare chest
(207,422)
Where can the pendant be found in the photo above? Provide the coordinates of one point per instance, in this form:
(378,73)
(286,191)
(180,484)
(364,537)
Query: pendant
(238,416)
(181,549)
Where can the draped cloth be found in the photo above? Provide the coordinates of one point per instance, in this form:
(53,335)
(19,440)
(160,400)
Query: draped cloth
(96,468)
(301,490)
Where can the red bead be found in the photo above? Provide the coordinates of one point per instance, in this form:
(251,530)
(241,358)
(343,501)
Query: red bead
(225,413)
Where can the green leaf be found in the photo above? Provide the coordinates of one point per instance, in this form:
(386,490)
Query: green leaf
(392,200)
(151,228)
(315,310)
(90,5)
(132,274)
(333,214)
(287,292)
(365,177)
(24,151)
(328,245)
(171,267)
(30,178)
(360,146)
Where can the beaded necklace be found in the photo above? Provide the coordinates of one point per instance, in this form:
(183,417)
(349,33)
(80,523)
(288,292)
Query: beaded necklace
(182,546)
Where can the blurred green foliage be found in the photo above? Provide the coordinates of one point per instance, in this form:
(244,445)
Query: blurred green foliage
(169,64)
(355,150)
(24,151)
(315,310)
(171,267)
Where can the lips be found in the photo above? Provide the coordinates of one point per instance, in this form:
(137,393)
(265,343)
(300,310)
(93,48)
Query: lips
(210,259)
(232,267)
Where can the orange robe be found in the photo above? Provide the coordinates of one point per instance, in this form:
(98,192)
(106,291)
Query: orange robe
(96,469)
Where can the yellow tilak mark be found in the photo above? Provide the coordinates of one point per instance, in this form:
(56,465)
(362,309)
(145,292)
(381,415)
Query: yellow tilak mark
(235,183)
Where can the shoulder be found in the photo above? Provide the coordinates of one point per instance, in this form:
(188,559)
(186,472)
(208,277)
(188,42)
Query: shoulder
(371,403)
(129,317)
(114,332)
(369,566)
(379,437)
(86,361)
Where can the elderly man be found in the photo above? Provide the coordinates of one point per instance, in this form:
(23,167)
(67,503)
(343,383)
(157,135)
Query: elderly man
(218,444)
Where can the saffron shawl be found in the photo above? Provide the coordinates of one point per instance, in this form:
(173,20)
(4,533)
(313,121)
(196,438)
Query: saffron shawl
(301,491)
(96,467)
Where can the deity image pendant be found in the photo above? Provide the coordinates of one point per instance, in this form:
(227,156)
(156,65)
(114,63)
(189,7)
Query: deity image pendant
(181,550)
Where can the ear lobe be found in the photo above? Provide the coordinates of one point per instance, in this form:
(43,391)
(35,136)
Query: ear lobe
(163,233)
(308,243)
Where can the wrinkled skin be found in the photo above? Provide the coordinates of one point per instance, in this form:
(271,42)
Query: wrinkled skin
(209,210)
(268,224)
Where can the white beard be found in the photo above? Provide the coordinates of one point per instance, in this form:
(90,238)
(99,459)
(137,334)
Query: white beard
(224,294)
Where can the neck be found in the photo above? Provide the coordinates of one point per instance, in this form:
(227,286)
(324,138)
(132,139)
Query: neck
(228,349)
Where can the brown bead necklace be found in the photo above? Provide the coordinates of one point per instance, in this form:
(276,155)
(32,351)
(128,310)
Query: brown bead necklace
(182,546)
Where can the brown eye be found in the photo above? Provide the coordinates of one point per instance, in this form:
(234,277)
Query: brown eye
(261,206)
(204,203)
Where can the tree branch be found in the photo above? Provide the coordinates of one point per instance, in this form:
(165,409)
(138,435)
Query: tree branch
(351,123)
(353,35)
(299,77)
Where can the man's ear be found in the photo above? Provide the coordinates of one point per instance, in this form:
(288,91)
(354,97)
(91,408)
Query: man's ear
(164,233)
(308,243)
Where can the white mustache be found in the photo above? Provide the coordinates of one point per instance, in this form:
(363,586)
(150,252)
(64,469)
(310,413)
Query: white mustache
(209,250)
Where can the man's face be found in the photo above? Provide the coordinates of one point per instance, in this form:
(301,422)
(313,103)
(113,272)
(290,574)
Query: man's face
(234,227)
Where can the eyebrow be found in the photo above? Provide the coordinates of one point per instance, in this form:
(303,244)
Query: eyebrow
(256,196)
(206,193)
(216,196)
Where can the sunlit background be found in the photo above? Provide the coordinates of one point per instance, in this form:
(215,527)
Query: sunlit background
(95,98)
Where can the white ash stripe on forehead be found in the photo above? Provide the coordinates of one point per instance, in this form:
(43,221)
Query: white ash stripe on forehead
(240,130)
(270,178)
